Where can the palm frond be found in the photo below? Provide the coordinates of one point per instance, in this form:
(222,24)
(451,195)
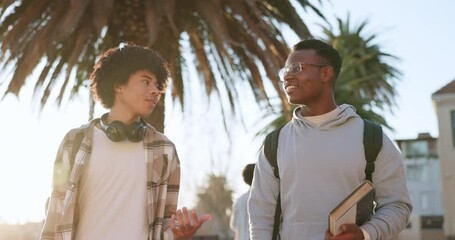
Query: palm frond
(242,38)
(367,72)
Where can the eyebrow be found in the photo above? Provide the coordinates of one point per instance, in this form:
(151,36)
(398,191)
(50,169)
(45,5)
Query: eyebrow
(146,76)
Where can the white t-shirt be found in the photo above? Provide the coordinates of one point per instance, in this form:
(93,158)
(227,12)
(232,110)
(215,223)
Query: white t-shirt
(112,192)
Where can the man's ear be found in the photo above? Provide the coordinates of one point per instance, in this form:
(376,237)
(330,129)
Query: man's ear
(117,88)
(327,74)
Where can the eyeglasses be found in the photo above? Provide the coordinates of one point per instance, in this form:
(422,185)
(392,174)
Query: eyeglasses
(295,68)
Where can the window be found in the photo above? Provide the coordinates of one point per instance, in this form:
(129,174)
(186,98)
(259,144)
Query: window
(424,200)
(452,114)
(431,222)
(417,149)
(415,172)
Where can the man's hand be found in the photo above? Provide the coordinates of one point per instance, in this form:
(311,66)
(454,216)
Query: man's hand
(183,229)
(348,232)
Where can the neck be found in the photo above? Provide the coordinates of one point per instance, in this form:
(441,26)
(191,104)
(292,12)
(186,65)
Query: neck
(322,105)
(123,117)
(312,110)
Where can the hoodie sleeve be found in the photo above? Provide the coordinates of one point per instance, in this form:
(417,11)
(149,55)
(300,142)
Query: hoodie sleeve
(263,199)
(394,204)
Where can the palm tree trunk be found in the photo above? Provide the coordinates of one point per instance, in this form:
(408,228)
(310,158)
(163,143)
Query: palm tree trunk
(165,49)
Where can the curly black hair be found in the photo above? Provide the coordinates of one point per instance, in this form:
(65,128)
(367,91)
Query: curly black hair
(116,65)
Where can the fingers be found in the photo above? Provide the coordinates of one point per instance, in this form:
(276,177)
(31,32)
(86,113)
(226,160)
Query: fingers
(195,218)
(205,218)
(180,219)
(184,226)
(175,228)
(181,225)
(348,231)
(172,222)
(198,221)
(328,235)
(348,228)
(185,217)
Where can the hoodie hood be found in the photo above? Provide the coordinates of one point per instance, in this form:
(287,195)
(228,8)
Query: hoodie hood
(343,114)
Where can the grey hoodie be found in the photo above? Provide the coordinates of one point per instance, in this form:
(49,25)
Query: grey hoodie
(319,165)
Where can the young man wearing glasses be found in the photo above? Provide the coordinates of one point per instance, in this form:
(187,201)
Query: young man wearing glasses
(321,159)
(121,179)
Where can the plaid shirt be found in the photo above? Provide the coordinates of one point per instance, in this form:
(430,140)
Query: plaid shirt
(163,179)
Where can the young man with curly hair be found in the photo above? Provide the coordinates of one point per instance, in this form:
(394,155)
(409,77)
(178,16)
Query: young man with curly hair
(117,177)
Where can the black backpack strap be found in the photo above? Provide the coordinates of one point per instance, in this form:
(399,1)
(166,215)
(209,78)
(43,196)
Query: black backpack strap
(277,218)
(372,143)
(270,151)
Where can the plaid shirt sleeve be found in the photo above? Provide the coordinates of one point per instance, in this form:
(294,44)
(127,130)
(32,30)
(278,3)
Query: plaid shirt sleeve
(59,187)
(172,192)
(164,182)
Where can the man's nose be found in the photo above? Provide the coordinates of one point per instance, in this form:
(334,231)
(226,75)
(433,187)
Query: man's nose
(287,76)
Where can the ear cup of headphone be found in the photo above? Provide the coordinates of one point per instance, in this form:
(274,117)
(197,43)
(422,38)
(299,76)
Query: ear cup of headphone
(115,131)
(136,132)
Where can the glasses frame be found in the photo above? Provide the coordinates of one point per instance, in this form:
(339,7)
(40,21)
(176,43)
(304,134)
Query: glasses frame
(285,70)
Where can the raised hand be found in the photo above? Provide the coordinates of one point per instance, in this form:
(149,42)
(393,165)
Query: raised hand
(182,227)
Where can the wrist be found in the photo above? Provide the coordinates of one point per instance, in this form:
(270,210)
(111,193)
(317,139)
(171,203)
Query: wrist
(366,236)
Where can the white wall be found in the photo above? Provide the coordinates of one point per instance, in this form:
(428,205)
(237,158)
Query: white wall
(444,104)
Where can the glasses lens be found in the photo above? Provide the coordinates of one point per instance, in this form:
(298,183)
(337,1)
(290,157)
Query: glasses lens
(295,68)
(282,73)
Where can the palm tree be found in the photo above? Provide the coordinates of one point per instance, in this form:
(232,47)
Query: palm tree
(366,80)
(61,39)
(215,198)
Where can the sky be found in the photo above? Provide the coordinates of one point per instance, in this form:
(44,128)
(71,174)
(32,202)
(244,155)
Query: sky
(419,33)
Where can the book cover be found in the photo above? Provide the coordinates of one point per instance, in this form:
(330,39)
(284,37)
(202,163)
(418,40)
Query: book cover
(356,208)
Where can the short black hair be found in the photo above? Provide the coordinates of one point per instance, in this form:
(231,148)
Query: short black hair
(324,50)
(248,173)
(117,64)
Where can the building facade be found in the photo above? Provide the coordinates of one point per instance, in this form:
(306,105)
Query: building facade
(422,172)
(422,167)
(444,104)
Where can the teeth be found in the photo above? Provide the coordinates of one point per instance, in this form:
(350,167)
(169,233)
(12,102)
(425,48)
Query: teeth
(288,88)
